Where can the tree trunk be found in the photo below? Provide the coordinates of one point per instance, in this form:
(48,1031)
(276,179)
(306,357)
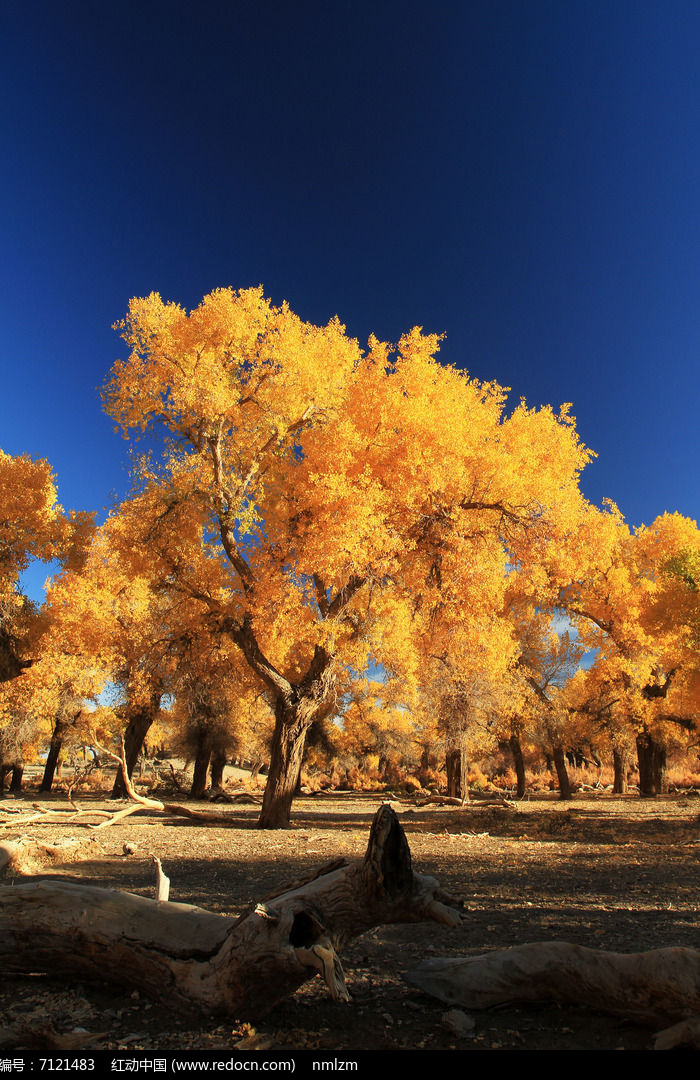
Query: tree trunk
(519,763)
(201,764)
(218,764)
(651,755)
(296,709)
(297,705)
(562,774)
(136,731)
(187,958)
(286,756)
(17,774)
(457,768)
(428,764)
(54,753)
(620,762)
(10,666)
(453,766)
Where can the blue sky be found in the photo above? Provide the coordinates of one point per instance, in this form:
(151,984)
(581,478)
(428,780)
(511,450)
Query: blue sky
(524,176)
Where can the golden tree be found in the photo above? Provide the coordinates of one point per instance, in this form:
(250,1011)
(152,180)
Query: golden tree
(118,620)
(32,526)
(355,497)
(637,610)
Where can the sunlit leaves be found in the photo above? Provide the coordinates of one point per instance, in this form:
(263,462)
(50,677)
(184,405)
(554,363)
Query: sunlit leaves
(322,469)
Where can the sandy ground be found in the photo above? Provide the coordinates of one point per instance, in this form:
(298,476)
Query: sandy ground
(602,871)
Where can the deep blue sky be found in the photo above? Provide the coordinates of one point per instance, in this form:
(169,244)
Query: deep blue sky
(524,176)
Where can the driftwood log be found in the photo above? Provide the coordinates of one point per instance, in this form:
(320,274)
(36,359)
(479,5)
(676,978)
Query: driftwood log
(189,958)
(653,987)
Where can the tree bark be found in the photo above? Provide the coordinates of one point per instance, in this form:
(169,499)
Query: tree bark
(297,705)
(10,664)
(218,764)
(286,756)
(519,764)
(620,763)
(562,774)
(428,764)
(296,709)
(188,958)
(457,768)
(453,766)
(651,756)
(16,782)
(17,774)
(201,764)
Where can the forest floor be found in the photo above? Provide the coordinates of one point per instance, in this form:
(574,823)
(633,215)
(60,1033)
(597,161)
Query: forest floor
(616,873)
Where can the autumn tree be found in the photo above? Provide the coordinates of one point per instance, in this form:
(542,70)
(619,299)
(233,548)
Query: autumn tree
(637,611)
(352,495)
(214,694)
(375,739)
(547,656)
(32,526)
(595,693)
(467,687)
(118,621)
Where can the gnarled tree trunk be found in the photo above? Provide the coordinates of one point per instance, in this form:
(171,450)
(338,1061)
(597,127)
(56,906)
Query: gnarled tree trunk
(456,766)
(218,764)
(519,764)
(562,774)
(296,709)
(14,767)
(10,664)
(297,705)
(651,755)
(201,763)
(136,731)
(53,755)
(186,957)
(620,764)
(286,756)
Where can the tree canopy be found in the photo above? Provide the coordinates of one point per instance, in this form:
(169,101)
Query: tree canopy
(359,503)
(310,511)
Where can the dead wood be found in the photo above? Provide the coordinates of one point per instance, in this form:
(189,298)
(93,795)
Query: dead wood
(492,798)
(476,798)
(190,958)
(653,987)
(240,795)
(684,1035)
(162,889)
(42,816)
(208,817)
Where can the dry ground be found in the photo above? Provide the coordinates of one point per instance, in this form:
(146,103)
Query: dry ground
(607,872)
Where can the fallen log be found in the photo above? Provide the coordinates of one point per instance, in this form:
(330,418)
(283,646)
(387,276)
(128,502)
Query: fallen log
(652,987)
(189,958)
(139,801)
